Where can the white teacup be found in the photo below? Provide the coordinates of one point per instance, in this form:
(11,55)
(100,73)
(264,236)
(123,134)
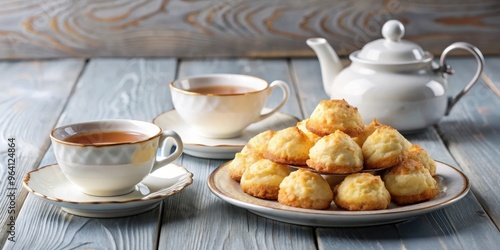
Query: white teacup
(223,105)
(108,158)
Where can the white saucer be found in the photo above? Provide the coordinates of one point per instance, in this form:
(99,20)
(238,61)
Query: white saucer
(49,184)
(219,148)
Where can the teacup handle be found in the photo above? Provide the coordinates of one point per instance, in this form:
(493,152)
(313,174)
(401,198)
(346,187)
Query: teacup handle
(286,93)
(165,147)
(445,68)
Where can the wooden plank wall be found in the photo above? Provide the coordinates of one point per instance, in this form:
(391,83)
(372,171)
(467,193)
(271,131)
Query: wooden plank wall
(233,28)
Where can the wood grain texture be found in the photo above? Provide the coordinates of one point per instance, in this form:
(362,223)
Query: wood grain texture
(109,88)
(472,134)
(48,227)
(215,28)
(455,227)
(206,220)
(195,218)
(32,97)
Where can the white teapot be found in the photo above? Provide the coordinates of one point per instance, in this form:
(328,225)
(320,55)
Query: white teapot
(393,80)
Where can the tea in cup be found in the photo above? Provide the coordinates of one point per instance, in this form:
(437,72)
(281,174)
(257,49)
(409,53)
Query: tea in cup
(110,157)
(223,105)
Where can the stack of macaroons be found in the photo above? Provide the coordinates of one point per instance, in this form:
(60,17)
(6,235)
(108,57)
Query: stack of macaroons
(333,141)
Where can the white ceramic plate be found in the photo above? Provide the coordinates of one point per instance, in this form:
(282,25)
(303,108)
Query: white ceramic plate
(49,184)
(219,148)
(454,185)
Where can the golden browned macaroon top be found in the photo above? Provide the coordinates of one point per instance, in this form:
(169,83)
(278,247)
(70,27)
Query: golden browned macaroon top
(409,182)
(415,152)
(263,178)
(407,167)
(362,191)
(240,163)
(305,189)
(367,131)
(289,146)
(332,115)
(384,148)
(312,136)
(258,143)
(336,153)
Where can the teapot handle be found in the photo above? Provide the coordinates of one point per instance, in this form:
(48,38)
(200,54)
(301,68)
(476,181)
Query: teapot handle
(445,68)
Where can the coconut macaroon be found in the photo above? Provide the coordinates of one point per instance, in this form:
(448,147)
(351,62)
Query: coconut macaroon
(263,178)
(305,189)
(384,148)
(312,136)
(361,192)
(251,152)
(336,153)
(289,146)
(332,115)
(415,152)
(258,143)
(367,131)
(410,182)
(240,163)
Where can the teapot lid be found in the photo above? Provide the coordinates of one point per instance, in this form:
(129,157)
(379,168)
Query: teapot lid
(392,49)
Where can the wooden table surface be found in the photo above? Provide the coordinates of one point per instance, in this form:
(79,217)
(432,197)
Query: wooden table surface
(36,96)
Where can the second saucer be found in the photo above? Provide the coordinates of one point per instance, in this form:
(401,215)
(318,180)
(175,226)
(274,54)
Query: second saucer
(198,146)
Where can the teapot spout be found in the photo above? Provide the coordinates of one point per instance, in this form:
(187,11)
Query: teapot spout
(328,60)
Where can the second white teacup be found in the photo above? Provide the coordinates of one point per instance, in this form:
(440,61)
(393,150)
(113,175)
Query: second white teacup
(223,105)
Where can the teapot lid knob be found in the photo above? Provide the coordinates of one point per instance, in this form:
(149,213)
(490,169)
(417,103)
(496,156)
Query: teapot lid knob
(391,49)
(393,30)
